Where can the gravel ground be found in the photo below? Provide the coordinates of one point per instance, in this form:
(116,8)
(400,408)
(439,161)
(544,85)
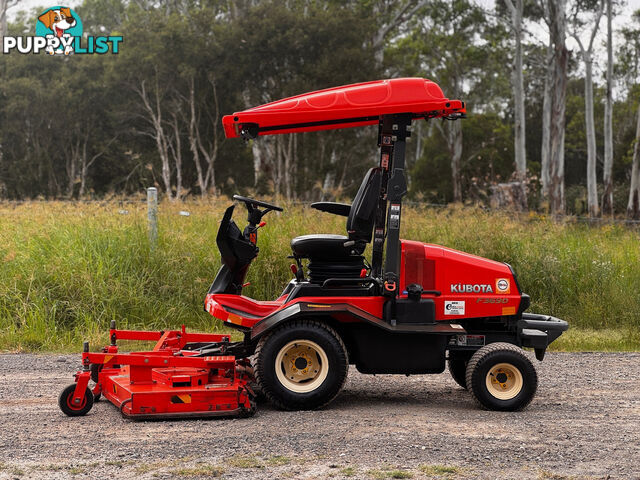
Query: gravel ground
(583,423)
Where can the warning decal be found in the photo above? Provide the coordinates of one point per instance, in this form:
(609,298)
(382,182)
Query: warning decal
(454,307)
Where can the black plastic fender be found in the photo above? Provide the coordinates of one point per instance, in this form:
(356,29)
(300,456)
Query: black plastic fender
(538,331)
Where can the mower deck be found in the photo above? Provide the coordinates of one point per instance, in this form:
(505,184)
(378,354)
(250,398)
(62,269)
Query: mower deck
(176,379)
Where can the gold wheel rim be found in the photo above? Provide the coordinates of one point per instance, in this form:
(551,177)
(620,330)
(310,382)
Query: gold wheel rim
(504,381)
(301,366)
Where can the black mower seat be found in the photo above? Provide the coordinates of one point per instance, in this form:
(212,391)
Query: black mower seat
(321,246)
(360,220)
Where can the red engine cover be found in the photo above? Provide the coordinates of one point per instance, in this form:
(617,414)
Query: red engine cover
(471,286)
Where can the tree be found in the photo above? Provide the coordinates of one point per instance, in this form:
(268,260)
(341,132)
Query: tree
(547,100)
(633,205)
(517,76)
(445,45)
(390,16)
(310,45)
(4,6)
(208,150)
(629,67)
(607,173)
(587,58)
(557,22)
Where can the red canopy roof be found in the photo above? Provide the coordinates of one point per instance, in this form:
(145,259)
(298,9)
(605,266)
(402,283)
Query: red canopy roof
(340,107)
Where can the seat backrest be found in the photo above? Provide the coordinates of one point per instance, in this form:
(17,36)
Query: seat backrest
(363,208)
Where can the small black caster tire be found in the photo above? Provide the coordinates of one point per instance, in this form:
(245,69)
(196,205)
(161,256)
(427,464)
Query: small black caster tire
(65,401)
(501,377)
(97,397)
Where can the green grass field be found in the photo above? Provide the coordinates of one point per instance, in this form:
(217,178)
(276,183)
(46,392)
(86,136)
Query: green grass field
(67,269)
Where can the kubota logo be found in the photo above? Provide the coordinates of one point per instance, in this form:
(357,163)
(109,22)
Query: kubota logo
(503,285)
(471,288)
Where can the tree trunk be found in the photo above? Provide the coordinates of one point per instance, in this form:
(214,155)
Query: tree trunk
(607,174)
(85,162)
(83,179)
(378,47)
(390,21)
(558,106)
(3,18)
(289,161)
(261,148)
(546,123)
(633,207)
(517,78)
(176,149)
(592,181)
(158,134)
(587,57)
(71,170)
(4,6)
(193,143)
(455,148)
(211,154)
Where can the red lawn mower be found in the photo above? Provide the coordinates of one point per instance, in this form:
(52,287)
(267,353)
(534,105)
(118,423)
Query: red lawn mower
(410,310)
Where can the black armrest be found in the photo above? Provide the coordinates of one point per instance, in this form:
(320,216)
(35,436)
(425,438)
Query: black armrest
(333,207)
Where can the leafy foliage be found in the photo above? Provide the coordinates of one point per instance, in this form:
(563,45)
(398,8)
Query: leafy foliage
(77,127)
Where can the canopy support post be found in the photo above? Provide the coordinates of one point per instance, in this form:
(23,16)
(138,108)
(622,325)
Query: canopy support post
(396,188)
(385,143)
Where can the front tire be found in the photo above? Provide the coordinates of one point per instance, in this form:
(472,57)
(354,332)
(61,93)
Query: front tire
(501,377)
(302,365)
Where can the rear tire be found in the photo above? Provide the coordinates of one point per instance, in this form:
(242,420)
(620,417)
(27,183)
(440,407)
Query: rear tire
(501,377)
(302,365)
(458,370)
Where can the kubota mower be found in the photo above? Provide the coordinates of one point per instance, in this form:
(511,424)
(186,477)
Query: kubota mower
(408,310)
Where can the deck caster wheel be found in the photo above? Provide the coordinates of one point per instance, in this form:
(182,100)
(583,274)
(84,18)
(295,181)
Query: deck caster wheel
(458,370)
(248,412)
(501,377)
(301,366)
(65,401)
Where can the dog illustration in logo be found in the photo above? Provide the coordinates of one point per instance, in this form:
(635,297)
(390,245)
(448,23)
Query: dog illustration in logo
(59,21)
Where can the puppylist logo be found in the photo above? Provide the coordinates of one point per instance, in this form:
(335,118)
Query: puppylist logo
(59,32)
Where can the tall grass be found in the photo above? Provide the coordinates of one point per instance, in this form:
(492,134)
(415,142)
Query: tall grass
(67,269)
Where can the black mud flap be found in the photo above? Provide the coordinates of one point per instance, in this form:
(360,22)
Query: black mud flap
(538,331)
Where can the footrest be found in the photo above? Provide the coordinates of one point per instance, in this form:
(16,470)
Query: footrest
(534,338)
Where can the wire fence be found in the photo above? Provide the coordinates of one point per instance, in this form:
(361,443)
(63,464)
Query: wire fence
(523,215)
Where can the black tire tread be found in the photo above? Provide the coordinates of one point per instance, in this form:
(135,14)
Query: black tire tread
(457,368)
(483,353)
(257,358)
(62,402)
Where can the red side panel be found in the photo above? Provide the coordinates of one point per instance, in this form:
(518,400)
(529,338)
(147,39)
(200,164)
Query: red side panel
(238,309)
(245,312)
(347,106)
(470,286)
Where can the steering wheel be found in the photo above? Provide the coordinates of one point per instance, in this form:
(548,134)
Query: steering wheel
(255,214)
(257,203)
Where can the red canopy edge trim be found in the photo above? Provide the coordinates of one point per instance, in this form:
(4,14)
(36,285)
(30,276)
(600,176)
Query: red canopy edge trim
(234,126)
